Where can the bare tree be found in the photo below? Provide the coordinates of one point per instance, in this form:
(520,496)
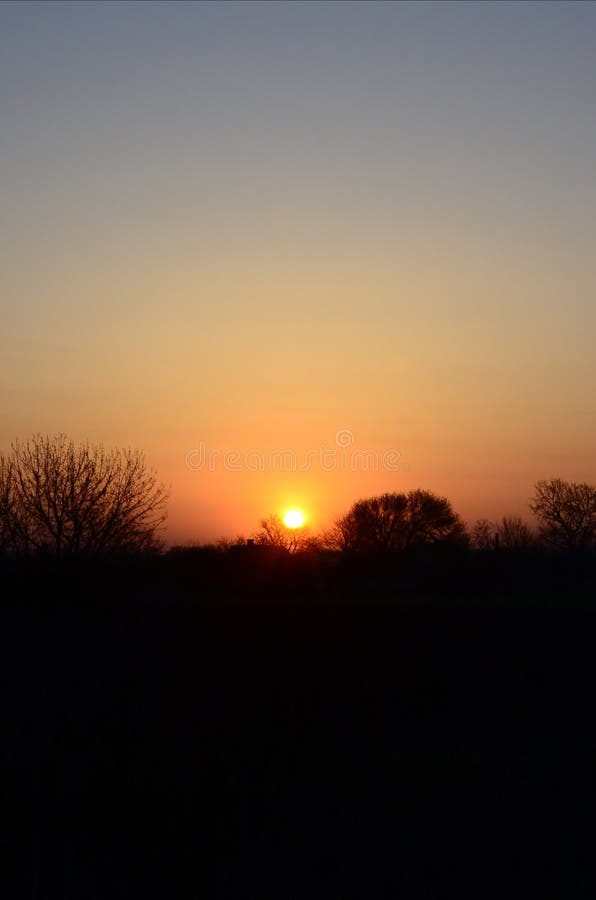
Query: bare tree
(69,498)
(513,533)
(392,522)
(482,535)
(224,544)
(341,534)
(9,517)
(273,533)
(567,513)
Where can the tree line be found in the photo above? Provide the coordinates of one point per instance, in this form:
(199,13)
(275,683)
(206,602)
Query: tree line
(65,499)
(397,522)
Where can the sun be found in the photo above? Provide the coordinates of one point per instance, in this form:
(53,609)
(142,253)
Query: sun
(293,519)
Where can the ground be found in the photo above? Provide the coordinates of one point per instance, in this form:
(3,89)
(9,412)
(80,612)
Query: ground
(299,753)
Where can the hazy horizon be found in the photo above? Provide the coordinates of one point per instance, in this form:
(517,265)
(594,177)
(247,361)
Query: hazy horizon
(253,226)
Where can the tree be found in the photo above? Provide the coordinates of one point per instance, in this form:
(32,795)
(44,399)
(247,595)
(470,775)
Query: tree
(567,513)
(9,520)
(341,535)
(392,522)
(68,499)
(273,533)
(510,532)
(482,536)
(513,533)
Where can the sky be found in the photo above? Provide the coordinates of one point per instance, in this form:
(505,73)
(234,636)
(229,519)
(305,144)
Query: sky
(231,229)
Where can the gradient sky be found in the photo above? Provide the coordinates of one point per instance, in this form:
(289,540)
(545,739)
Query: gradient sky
(251,225)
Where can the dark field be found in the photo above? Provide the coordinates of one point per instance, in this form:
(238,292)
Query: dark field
(293,750)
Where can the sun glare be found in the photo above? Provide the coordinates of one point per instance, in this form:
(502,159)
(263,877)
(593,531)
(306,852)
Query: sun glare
(293,518)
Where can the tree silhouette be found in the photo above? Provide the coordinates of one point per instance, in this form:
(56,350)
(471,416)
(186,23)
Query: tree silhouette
(9,518)
(341,534)
(567,513)
(392,522)
(510,533)
(273,533)
(482,535)
(66,499)
(513,533)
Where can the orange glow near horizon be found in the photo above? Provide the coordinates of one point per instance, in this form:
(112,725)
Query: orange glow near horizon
(323,252)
